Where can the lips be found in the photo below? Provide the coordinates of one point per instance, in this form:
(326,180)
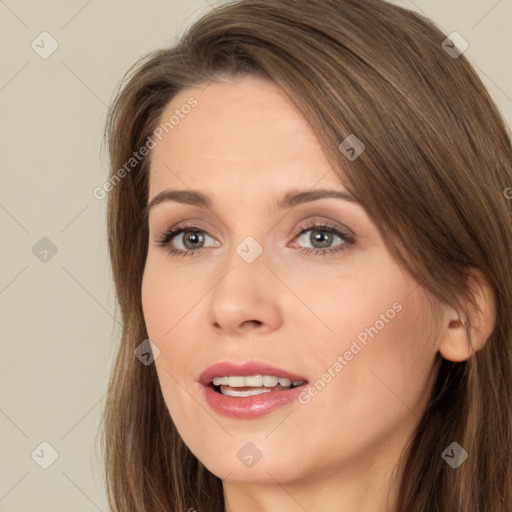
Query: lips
(248,407)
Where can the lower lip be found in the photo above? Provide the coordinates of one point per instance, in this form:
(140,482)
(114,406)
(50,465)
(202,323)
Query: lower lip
(249,407)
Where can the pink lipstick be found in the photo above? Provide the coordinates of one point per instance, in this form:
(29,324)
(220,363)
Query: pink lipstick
(249,390)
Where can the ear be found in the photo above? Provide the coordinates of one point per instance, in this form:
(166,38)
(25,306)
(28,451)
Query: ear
(466,332)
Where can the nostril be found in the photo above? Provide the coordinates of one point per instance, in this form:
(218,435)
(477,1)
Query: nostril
(254,322)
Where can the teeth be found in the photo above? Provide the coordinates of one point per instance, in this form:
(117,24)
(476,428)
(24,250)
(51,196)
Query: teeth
(236,382)
(253,380)
(257,381)
(220,381)
(269,381)
(248,392)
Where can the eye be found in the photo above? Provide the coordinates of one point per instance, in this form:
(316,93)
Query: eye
(185,240)
(324,239)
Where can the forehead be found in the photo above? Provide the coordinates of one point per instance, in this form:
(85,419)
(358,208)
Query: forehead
(240,134)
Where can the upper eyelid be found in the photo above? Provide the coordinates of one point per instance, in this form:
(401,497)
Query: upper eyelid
(306,226)
(314,219)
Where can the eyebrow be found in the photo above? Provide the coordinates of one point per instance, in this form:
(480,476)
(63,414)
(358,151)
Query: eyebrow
(289,200)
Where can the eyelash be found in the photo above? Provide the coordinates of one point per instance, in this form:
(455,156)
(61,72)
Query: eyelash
(348,239)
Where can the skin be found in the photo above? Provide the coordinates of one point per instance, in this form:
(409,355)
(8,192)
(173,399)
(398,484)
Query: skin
(245,145)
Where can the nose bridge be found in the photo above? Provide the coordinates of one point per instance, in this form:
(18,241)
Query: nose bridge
(242,296)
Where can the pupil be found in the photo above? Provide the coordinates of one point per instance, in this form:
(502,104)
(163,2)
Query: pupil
(191,238)
(324,238)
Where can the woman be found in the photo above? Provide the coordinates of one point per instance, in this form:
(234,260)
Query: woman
(308,218)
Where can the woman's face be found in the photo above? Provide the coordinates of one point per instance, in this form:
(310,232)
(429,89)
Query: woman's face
(307,287)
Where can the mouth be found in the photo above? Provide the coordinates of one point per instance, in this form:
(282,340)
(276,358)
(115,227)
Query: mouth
(249,390)
(251,385)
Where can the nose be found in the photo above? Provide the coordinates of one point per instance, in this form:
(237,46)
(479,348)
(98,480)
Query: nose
(246,298)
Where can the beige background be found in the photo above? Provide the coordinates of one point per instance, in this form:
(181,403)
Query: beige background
(59,331)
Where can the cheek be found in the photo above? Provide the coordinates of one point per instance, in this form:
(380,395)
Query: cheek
(164,313)
(170,305)
(164,309)
(166,297)
(370,300)
(375,357)
(165,304)
(372,397)
(383,368)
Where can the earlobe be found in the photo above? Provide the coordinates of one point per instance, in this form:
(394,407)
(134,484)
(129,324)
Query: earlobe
(466,333)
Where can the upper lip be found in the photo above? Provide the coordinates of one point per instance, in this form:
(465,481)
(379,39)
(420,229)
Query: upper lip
(228,369)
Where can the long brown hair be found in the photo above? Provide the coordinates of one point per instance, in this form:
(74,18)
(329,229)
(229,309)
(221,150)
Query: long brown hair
(433,177)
